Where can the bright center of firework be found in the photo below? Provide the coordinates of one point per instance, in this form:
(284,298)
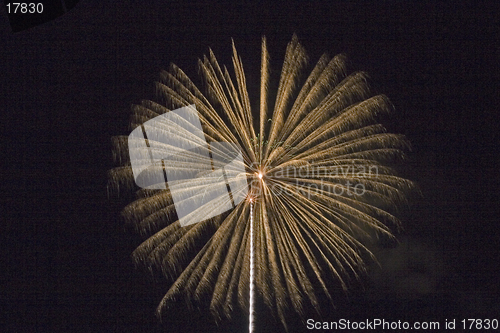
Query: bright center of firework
(260,175)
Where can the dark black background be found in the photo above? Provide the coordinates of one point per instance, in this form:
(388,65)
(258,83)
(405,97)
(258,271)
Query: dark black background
(66,89)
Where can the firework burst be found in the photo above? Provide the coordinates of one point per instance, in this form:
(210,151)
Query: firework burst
(319,185)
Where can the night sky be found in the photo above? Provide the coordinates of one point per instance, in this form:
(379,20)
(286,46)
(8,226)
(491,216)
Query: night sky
(67,87)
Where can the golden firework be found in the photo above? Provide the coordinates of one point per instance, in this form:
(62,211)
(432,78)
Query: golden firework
(319,181)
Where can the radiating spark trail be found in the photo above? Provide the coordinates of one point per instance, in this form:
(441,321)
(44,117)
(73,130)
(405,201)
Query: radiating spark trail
(250,318)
